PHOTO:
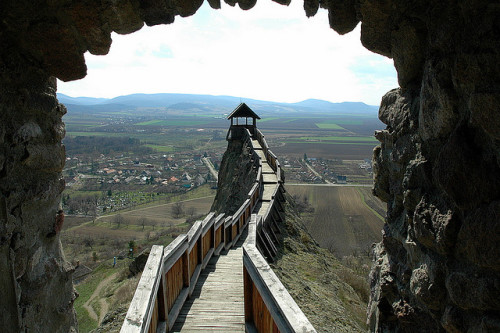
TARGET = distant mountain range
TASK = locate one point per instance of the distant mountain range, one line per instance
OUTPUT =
(209, 104)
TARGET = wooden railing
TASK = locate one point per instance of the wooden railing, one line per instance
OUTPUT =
(268, 305)
(171, 272)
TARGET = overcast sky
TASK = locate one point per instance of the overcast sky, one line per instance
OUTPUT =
(271, 52)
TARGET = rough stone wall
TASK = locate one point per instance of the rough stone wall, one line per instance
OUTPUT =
(36, 288)
(438, 167)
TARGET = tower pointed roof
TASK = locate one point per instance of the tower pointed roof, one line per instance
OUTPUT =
(243, 111)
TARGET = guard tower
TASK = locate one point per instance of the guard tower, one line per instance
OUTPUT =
(240, 120)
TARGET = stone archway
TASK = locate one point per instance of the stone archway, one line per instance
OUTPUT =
(438, 167)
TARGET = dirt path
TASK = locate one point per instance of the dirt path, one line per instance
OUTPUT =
(95, 294)
(104, 309)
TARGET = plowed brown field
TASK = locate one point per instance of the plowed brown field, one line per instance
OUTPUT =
(342, 220)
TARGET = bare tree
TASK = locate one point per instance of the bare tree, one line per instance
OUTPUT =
(118, 220)
(152, 223)
(177, 210)
(88, 241)
(191, 210)
(126, 221)
(143, 221)
(93, 211)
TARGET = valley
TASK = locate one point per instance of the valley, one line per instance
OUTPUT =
(135, 176)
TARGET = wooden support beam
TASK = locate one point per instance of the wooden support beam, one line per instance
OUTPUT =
(285, 313)
(162, 300)
(247, 295)
(185, 269)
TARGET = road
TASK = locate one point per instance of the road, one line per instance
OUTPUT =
(210, 167)
(316, 173)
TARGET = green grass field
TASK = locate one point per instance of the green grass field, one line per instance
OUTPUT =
(331, 126)
(160, 148)
(335, 143)
(340, 138)
(267, 119)
(80, 133)
(177, 122)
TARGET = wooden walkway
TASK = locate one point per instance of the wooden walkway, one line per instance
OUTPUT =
(217, 301)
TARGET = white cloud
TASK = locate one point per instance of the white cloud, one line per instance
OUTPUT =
(270, 52)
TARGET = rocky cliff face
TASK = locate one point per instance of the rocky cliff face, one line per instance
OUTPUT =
(303, 267)
(438, 167)
(236, 178)
(36, 292)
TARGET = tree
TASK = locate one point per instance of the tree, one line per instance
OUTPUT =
(177, 210)
(93, 213)
(89, 242)
(131, 248)
(143, 221)
(118, 220)
(302, 204)
(110, 193)
(305, 157)
(191, 210)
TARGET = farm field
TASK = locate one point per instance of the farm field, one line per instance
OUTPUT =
(109, 235)
(160, 215)
(138, 154)
(346, 220)
(325, 150)
(156, 217)
(94, 244)
(176, 122)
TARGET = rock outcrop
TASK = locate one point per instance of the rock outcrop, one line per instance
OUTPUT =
(139, 262)
(236, 177)
(438, 167)
(36, 282)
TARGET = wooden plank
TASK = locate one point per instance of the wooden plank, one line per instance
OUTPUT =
(207, 243)
(285, 312)
(217, 301)
(175, 282)
(140, 311)
(208, 222)
(247, 295)
(154, 318)
(162, 300)
(193, 259)
(218, 236)
(174, 251)
(261, 316)
(194, 233)
(234, 231)
(185, 269)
